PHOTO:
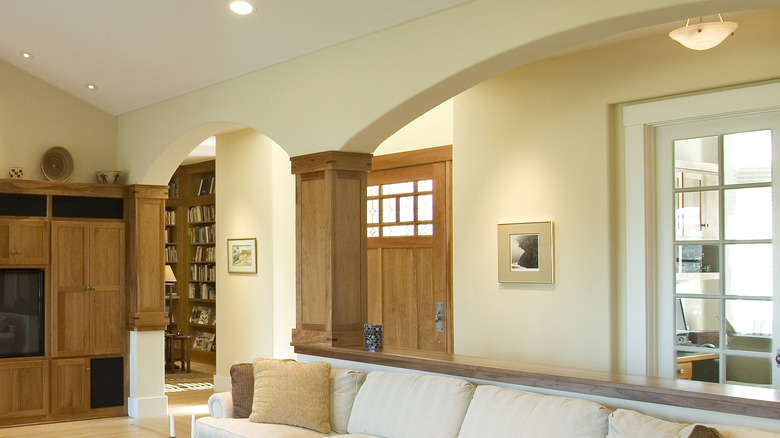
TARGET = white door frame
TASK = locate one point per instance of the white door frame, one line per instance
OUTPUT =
(638, 243)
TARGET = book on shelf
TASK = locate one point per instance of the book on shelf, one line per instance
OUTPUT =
(206, 186)
(201, 213)
(204, 341)
(173, 188)
(203, 291)
(200, 315)
(170, 218)
(170, 254)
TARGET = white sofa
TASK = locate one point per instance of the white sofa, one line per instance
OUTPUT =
(410, 405)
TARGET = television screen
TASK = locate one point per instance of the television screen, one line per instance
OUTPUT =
(21, 312)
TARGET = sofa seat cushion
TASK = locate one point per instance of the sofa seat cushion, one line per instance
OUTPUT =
(210, 427)
(403, 405)
(498, 412)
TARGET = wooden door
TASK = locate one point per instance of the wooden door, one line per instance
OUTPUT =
(409, 255)
(70, 385)
(32, 242)
(70, 294)
(106, 283)
(25, 389)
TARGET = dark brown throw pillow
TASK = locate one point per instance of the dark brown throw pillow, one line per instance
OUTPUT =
(242, 379)
(700, 431)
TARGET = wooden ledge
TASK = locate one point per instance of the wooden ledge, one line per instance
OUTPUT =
(732, 399)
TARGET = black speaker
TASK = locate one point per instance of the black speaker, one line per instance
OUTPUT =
(107, 382)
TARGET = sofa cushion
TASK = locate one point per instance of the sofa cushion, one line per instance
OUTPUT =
(507, 413)
(624, 423)
(210, 427)
(292, 393)
(344, 386)
(242, 384)
(402, 405)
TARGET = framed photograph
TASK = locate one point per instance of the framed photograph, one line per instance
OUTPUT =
(525, 253)
(242, 255)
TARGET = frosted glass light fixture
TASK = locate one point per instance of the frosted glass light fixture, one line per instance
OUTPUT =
(242, 7)
(703, 36)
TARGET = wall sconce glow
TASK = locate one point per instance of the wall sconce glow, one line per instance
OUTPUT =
(26, 55)
(703, 36)
(91, 87)
(242, 7)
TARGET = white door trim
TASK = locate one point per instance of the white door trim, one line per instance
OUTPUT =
(638, 243)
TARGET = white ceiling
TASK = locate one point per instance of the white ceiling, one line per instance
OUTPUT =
(139, 52)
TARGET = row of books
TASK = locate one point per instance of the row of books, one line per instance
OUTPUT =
(203, 291)
(201, 213)
(205, 341)
(171, 255)
(204, 254)
(170, 217)
(203, 273)
(206, 185)
(170, 235)
(173, 188)
(204, 234)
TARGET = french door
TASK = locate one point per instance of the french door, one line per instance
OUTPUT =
(716, 254)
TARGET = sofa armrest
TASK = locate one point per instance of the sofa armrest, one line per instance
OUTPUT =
(221, 405)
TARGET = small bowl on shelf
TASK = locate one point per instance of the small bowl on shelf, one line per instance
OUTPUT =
(108, 176)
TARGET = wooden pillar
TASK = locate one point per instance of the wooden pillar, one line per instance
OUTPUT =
(145, 260)
(331, 284)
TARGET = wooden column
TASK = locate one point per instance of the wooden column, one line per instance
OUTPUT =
(145, 260)
(331, 285)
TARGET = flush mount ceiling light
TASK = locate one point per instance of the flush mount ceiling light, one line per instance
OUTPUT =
(242, 7)
(703, 36)
(91, 87)
(26, 55)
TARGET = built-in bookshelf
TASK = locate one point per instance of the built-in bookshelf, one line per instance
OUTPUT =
(190, 241)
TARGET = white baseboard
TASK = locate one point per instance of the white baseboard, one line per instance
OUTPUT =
(147, 407)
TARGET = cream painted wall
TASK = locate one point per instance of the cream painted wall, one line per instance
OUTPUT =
(433, 128)
(255, 199)
(541, 143)
(34, 116)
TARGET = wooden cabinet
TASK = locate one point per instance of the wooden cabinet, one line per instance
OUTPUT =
(70, 386)
(24, 242)
(25, 386)
(87, 288)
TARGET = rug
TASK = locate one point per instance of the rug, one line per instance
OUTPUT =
(192, 381)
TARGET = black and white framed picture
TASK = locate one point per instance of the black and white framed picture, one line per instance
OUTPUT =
(525, 253)
(242, 255)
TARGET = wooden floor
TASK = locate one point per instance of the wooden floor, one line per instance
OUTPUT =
(181, 404)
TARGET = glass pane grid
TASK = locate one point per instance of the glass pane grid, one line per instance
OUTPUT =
(400, 209)
(723, 256)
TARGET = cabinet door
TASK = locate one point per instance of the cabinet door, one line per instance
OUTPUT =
(32, 242)
(106, 274)
(70, 282)
(5, 241)
(70, 386)
(25, 386)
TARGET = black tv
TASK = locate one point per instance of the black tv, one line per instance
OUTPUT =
(21, 312)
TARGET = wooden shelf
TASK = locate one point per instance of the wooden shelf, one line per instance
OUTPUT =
(192, 204)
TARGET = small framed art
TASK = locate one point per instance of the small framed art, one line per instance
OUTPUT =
(525, 253)
(242, 255)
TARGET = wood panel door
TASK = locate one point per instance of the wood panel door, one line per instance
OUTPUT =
(70, 293)
(87, 285)
(24, 242)
(409, 255)
(70, 385)
(106, 275)
(24, 389)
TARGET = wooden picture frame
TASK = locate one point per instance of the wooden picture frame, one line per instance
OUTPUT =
(242, 256)
(525, 253)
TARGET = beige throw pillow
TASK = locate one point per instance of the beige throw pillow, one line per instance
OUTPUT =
(292, 393)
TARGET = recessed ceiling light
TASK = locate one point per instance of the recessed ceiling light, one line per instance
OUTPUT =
(242, 7)
(26, 55)
(91, 87)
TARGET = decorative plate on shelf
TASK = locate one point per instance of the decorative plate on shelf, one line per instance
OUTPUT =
(57, 164)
